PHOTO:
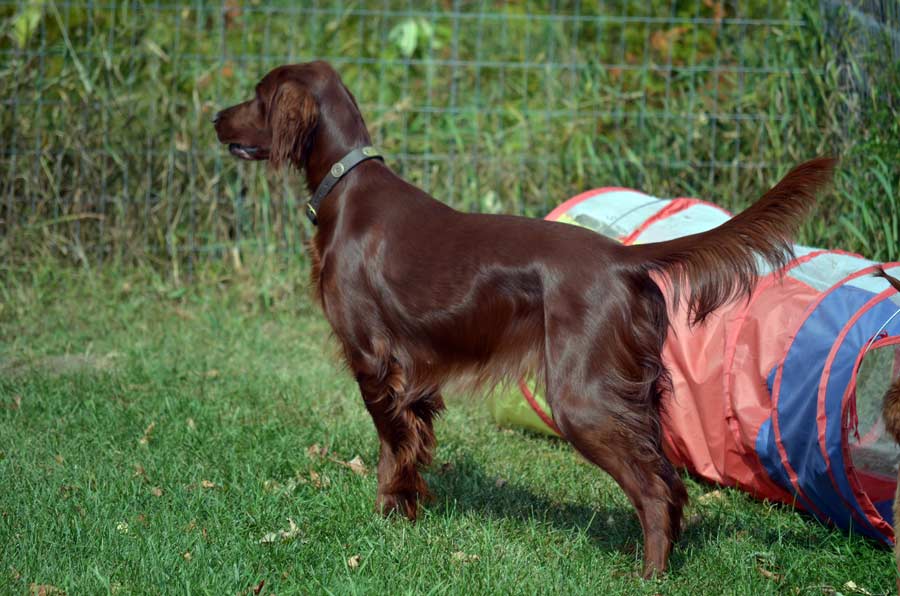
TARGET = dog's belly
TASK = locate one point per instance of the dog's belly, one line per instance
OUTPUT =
(495, 332)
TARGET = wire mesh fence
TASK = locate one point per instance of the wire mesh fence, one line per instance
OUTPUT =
(490, 106)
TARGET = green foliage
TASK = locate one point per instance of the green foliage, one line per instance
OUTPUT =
(504, 109)
(26, 21)
(412, 34)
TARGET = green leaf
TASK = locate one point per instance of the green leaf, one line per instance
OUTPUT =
(405, 36)
(27, 21)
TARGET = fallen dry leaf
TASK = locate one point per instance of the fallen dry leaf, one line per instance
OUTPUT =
(775, 577)
(500, 483)
(44, 590)
(156, 491)
(281, 535)
(353, 562)
(315, 450)
(139, 471)
(187, 555)
(259, 586)
(191, 424)
(16, 403)
(464, 558)
(122, 527)
(212, 373)
(146, 438)
(715, 495)
(208, 484)
(853, 587)
(319, 481)
(59, 458)
(356, 464)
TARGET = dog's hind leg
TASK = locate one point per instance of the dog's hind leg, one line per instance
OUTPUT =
(405, 430)
(624, 441)
(637, 464)
(603, 386)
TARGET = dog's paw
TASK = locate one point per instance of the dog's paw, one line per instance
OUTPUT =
(405, 504)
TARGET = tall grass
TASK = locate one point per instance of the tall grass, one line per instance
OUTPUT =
(108, 152)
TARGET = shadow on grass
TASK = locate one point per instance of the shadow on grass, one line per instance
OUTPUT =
(612, 528)
(466, 487)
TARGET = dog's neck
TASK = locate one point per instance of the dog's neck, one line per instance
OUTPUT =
(340, 130)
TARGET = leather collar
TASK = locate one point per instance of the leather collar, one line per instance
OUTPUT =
(334, 175)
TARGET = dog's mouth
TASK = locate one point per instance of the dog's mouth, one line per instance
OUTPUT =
(248, 152)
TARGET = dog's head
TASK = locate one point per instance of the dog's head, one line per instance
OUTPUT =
(280, 122)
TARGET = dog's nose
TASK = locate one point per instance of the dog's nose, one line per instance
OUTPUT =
(216, 117)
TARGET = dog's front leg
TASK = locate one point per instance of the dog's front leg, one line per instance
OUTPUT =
(405, 430)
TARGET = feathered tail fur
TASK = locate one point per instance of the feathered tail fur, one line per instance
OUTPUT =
(715, 267)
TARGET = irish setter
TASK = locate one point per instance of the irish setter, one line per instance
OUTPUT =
(419, 294)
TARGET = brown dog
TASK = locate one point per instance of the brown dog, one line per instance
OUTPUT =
(419, 294)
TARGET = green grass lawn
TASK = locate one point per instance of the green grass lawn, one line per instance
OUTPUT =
(152, 436)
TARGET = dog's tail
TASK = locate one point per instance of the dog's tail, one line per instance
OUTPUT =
(715, 267)
(891, 404)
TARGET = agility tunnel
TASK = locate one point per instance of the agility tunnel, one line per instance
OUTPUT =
(778, 394)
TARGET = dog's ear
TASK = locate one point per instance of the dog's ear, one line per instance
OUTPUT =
(293, 114)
